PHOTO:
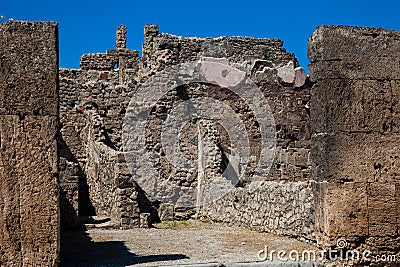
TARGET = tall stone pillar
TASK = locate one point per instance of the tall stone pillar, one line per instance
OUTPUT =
(121, 37)
(355, 112)
(29, 212)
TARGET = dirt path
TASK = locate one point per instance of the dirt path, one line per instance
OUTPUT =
(173, 243)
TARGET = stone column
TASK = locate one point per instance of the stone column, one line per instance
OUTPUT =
(121, 37)
(355, 113)
(29, 195)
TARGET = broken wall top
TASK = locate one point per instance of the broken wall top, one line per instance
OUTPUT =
(354, 53)
(160, 50)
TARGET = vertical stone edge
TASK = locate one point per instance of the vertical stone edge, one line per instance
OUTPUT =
(29, 120)
(354, 198)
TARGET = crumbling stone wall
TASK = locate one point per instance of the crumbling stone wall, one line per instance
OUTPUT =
(350, 187)
(113, 192)
(93, 102)
(29, 210)
(284, 203)
(92, 109)
(275, 207)
(355, 115)
(162, 50)
(106, 82)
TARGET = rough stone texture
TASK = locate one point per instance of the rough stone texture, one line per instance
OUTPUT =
(98, 62)
(121, 37)
(29, 195)
(161, 50)
(106, 82)
(69, 195)
(350, 188)
(278, 208)
(355, 143)
(112, 190)
(347, 201)
(338, 50)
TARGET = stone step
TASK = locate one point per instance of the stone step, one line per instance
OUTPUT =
(98, 222)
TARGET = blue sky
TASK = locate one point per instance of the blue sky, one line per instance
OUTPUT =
(89, 26)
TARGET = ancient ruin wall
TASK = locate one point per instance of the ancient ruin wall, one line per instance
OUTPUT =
(92, 106)
(354, 119)
(355, 115)
(106, 82)
(29, 213)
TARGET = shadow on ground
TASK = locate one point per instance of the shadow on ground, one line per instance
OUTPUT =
(77, 249)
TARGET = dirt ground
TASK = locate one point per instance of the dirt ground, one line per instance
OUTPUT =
(169, 244)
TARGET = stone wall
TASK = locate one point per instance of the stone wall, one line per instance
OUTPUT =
(29, 124)
(275, 207)
(93, 102)
(113, 192)
(284, 203)
(355, 116)
(334, 174)
(106, 82)
(92, 110)
(162, 50)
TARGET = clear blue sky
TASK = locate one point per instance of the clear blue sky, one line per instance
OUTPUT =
(89, 26)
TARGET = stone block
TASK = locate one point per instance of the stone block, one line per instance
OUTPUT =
(382, 212)
(395, 88)
(341, 210)
(121, 169)
(29, 193)
(355, 142)
(29, 175)
(354, 53)
(383, 243)
(121, 37)
(39, 193)
(355, 106)
(397, 195)
(29, 68)
(300, 77)
(145, 221)
(150, 30)
(166, 212)
(357, 157)
(11, 165)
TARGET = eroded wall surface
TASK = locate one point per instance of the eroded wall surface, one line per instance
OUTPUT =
(350, 187)
(355, 117)
(29, 209)
(107, 81)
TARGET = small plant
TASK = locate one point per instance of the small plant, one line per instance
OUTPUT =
(185, 223)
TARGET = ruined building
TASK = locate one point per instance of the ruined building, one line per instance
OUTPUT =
(334, 169)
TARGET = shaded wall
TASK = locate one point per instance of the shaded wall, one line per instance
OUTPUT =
(29, 213)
